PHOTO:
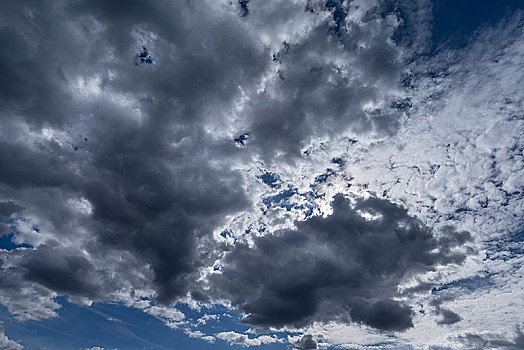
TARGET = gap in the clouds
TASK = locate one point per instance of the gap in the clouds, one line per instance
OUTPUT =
(281, 199)
(6, 238)
(113, 325)
(471, 284)
(244, 9)
(7, 243)
(454, 22)
(271, 179)
(144, 57)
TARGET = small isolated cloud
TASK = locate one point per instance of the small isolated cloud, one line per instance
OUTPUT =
(200, 335)
(9, 207)
(244, 340)
(305, 343)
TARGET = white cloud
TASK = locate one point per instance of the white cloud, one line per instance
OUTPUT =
(244, 340)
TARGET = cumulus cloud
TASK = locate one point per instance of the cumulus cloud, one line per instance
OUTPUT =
(343, 267)
(305, 343)
(126, 175)
(8, 207)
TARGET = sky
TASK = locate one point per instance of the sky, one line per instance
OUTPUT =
(274, 174)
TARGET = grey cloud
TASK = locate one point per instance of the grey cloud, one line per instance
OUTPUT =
(305, 343)
(448, 317)
(25, 167)
(23, 299)
(9, 207)
(144, 166)
(153, 150)
(62, 272)
(339, 268)
(384, 314)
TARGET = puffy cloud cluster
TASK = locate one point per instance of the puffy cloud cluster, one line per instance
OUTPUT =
(344, 267)
(117, 173)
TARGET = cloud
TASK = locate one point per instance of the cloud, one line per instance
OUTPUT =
(110, 160)
(244, 340)
(343, 267)
(62, 272)
(9, 207)
(200, 335)
(305, 343)
(82, 131)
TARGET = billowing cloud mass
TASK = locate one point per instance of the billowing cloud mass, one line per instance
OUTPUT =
(340, 268)
(6, 343)
(340, 173)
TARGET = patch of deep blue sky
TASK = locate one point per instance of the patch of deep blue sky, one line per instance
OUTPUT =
(454, 21)
(116, 326)
(6, 237)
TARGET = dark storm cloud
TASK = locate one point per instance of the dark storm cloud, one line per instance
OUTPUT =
(305, 343)
(448, 317)
(384, 314)
(342, 267)
(62, 272)
(25, 167)
(144, 168)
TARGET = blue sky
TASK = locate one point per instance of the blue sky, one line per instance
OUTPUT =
(115, 326)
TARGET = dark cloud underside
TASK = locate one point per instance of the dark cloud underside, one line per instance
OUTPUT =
(339, 268)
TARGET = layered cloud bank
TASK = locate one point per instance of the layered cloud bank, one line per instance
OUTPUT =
(329, 169)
